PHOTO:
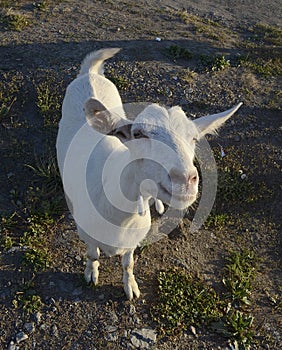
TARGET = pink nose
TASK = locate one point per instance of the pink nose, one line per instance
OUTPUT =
(178, 176)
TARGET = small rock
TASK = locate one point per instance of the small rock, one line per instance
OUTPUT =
(111, 329)
(193, 330)
(21, 336)
(14, 249)
(29, 327)
(143, 338)
(54, 331)
(52, 301)
(113, 316)
(131, 310)
(111, 337)
(43, 327)
(12, 346)
(237, 138)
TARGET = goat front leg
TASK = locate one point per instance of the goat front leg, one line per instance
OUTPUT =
(91, 272)
(130, 285)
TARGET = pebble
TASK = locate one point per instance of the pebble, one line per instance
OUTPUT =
(131, 310)
(12, 346)
(21, 336)
(193, 330)
(113, 316)
(112, 337)
(54, 331)
(37, 317)
(43, 327)
(143, 338)
(29, 327)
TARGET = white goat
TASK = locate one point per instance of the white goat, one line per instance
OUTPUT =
(111, 167)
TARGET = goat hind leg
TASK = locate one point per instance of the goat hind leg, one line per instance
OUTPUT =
(130, 285)
(91, 272)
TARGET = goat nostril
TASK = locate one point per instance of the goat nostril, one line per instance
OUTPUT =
(193, 179)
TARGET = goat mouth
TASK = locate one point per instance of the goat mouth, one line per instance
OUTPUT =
(171, 197)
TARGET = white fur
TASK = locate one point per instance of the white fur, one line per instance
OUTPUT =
(106, 225)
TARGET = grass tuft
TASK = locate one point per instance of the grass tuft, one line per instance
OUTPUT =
(184, 302)
(27, 299)
(239, 273)
(215, 63)
(37, 255)
(15, 21)
(176, 52)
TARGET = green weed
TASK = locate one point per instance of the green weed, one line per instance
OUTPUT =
(6, 3)
(46, 168)
(176, 52)
(218, 221)
(239, 274)
(10, 85)
(220, 63)
(7, 241)
(37, 255)
(48, 103)
(27, 299)
(209, 28)
(49, 87)
(15, 21)
(232, 187)
(46, 195)
(266, 67)
(236, 326)
(8, 225)
(121, 82)
(268, 34)
(5, 108)
(184, 302)
(41, 5)
(214, 63)
(187, 75)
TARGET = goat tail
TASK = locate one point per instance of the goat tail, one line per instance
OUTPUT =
(93, 62)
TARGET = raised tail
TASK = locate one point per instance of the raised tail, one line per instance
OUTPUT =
(93, 62)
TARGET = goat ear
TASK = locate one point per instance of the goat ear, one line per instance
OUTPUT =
(210, 123)
(98, 117)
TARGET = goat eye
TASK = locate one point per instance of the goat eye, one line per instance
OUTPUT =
(139, 135)
(120, 134)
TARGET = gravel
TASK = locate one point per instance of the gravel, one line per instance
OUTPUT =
(75, 316)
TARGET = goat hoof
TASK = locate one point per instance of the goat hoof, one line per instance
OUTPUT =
(90, 279)
(131, 290)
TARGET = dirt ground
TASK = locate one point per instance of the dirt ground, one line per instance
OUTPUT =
(168, 56)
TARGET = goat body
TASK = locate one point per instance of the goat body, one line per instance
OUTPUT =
(111, 167)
